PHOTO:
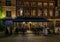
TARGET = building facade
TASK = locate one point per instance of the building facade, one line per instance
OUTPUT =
(8, 8)
(48, 9)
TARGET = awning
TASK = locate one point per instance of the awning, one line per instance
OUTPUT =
(18, 19)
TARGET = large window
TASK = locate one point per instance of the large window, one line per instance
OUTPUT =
(39, 12)
(45, 12)
(8, 13)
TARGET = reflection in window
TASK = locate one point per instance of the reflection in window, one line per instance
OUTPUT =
(33, 12)
(50, 4)
(56, 13)
(26, 3)
(33, 3)
(39, 12)
(45, 4)
(51, 12)
(45, 12)
(39, 3)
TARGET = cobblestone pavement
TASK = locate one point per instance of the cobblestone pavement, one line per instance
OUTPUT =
(30, 38)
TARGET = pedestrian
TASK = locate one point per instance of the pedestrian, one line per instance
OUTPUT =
(45, 30)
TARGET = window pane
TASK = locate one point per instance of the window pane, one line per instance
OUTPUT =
(20, 12)
(51, 12)
(26, 3)
(56, 13)
(45, 12)
(27, 12)
(50, 4)
(8, 13)
(58, 2)
(33, 12)
(39, 3)
(39, 12)
(33, 3)
(8, 3)
(20, 3)
(45, 4)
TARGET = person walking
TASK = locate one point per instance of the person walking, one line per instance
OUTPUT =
(45, 30)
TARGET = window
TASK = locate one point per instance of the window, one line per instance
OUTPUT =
(20, 12)
(56, 13)
(45, 4)
(33, 12)
(58, 2)
(50, 4)
(8, 2)
(45, 12)
(59, 13)
(8, 13)
(57, 23)
(26, 3)
(39, 12)
(39, 3)
(33, 4)
(27, 12)
(20, 3)
(51, 12)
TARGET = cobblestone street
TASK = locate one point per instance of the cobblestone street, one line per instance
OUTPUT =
(30, 38)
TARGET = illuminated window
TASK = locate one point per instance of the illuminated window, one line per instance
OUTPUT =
(58, 2)
(26, 3)
(50, 4)
(39, 12)
(33, 12)
(45, 12)
(26, 11)
(33, 3)
(39, 3)
(20, 12)
(45, 4)
(51, 12)
(56, 13)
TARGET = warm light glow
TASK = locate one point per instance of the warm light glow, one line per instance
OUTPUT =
(30, 22)
(23, 22)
